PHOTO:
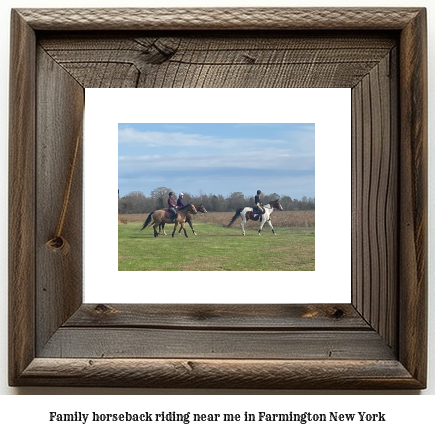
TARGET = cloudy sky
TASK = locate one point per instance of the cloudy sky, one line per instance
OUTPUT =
(217, 158)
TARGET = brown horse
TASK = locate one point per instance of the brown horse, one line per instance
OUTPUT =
(164, 216)
(248, 213)
(199, 208)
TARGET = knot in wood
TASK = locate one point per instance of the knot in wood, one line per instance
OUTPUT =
(338, 313)
(103, 309)
(58, 244)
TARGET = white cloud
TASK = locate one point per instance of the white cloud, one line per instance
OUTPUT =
(130, 136)
(278, 159)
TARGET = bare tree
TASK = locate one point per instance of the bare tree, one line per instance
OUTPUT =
(160, 195)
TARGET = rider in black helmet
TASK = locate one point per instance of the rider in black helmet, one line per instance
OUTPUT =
(258, 203)
(172, 207)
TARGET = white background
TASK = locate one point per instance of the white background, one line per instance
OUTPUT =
(407, 411)
(329, 109)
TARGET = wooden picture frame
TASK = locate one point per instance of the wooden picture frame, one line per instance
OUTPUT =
(378, 341)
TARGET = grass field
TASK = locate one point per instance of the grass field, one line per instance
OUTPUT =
(216, 248)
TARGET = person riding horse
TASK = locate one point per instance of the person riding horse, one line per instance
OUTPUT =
(172, 207)
(180, 200)
(247, 213)
(258, 203)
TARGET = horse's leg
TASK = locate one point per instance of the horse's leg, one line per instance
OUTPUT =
(191, 227)
(156, 234)
(242, 223)
(270, 224)
(181, 228)
(184, 229)
(261, 226)
(163, 229)
(175, 228)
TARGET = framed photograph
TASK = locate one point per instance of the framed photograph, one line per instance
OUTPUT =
(375, 341)
(219, 152)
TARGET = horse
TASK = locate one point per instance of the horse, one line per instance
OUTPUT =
(165, 216)
(248, 213)
(199, 208)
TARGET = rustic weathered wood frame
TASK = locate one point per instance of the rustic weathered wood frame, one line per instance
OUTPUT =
(377, 341)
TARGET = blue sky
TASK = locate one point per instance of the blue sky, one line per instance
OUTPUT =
(217, 158)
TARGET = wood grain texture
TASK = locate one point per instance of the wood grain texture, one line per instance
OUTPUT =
(270, 317)
(375, 199)
(413, 187)
(228, 374)
(220, 18)
(21, 197)
(95, 342)
(59, 279)
(240, 60)
(377, 342)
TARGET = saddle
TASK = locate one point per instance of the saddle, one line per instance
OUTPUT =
(169, 215)
(255, 216)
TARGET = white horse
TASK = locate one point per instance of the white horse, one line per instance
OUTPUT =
(248, 213)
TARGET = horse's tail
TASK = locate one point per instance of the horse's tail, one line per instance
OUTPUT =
(237, 214)
(147, 221)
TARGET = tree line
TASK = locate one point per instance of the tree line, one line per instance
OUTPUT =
(136, 202)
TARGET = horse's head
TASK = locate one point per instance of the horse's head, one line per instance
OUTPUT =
(275, 204)
(191, 208)
(201, 208)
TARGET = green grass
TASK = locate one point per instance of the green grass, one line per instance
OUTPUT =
(215, 248)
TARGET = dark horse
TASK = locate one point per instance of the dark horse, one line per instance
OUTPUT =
(247, 213)
(199, 208)
(164, 216)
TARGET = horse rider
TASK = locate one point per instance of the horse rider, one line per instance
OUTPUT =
(258, 203)
(180, 203)
(172, 207)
